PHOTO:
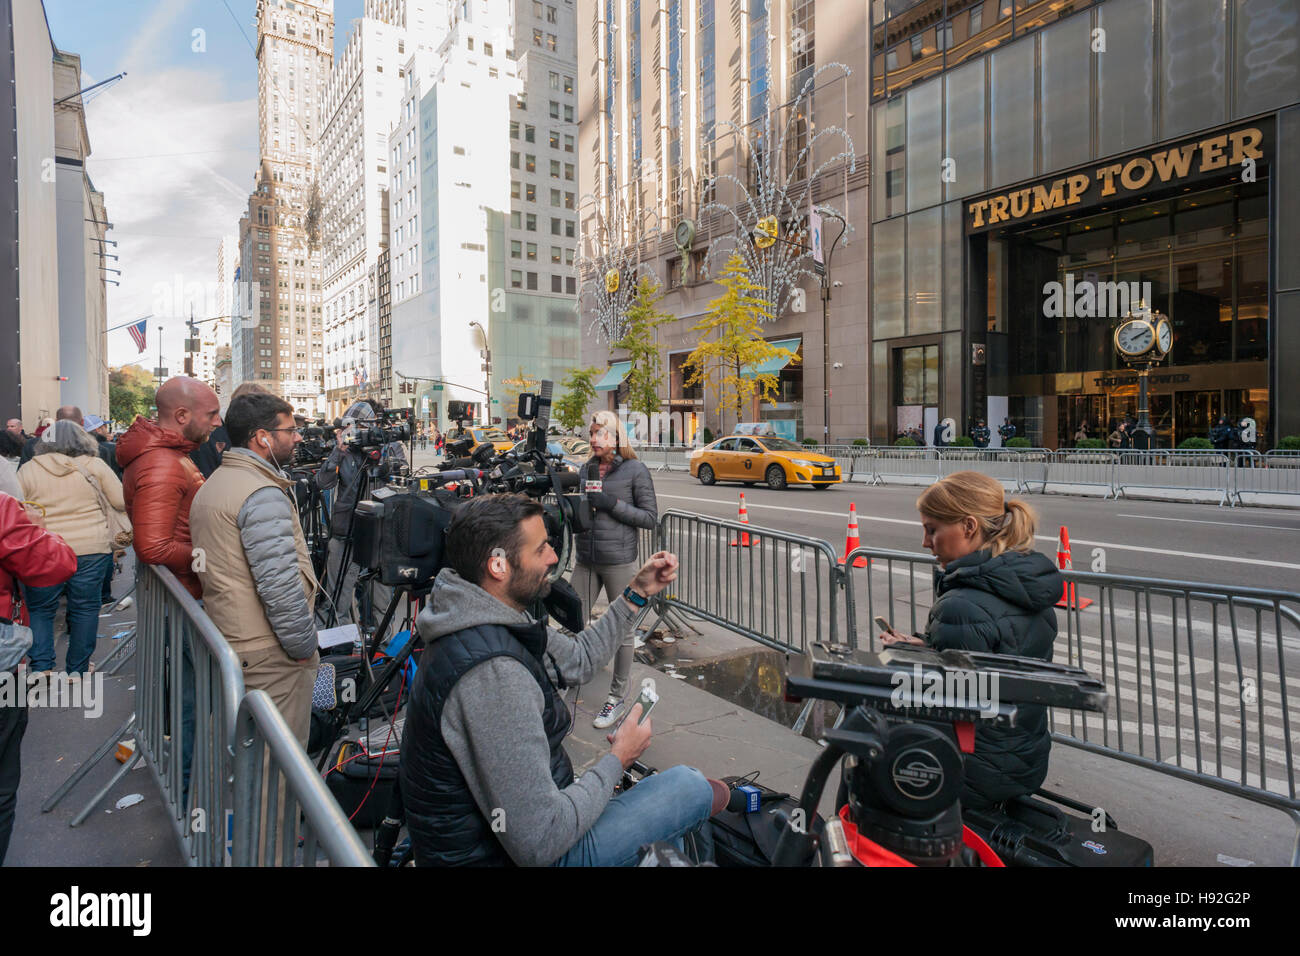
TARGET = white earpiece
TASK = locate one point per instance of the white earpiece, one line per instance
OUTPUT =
(264, 442)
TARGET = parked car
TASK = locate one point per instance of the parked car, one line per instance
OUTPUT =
(500, 440)
(753, 458)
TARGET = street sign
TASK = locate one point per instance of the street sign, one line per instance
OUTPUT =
(160, 373)
(436, 388)
(815, 227)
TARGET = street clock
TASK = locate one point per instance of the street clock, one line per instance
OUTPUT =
(684, 234)
(1144, 338)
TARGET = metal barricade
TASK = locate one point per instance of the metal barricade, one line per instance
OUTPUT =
(1075, 467)
(914, 464)
(1272, 473)
(1201, 678)
(171, 630)
(997, 463)
(272, 769)
(779, 589)
(1174, 470)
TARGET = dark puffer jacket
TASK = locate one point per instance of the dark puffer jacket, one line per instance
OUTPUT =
(613, 540)
(1002, 605)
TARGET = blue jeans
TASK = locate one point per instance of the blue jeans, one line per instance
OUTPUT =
(665, 806)
(83, 592)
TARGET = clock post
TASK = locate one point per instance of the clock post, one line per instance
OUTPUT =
(1142, 342)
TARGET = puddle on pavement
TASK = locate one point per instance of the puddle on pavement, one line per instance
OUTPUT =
(754, 680)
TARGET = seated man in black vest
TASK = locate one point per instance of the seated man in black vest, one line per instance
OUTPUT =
(484, 777)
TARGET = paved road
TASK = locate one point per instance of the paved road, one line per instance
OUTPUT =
(1246, 547)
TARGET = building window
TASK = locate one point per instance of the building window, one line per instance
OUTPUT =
(516, 279)
(514, 194)
(530, 192)
(555, 110)
(557, 283)
(568, 84)
(568, 143)
(551, 42)
(532, 252)
(568, 200)
(530, 133)
(532, 281)
(537, 37)
(530, 222)
(568, 114)
(530, 163)
(555, 168)
(555, 137)
(515, 249)
(570, 285)
(487, 48)
(514, 161)
(555, 197)
(568, 171)
(514, 129)
(555, 254)
(555, 81)
(551, 16)
(568, 257)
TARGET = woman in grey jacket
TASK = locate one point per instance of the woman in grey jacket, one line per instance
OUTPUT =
(624, 499)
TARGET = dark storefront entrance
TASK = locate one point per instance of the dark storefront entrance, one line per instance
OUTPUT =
(1199, 256)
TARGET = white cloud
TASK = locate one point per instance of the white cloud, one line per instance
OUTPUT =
(175, 163)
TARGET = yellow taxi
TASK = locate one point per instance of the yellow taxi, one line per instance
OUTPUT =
(501, 442)
(750, 458)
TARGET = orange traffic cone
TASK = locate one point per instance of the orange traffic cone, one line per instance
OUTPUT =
(744, 519)
(1069, 597)
(851, 540)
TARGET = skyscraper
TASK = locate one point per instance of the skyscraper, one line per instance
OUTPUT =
(279, 336)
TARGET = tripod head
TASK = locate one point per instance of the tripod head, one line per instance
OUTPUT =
(912, 712)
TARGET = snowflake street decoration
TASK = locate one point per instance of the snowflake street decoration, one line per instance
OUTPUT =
(614, 267)
(778, 268)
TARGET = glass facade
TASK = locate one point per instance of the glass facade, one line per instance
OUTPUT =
(978, 98)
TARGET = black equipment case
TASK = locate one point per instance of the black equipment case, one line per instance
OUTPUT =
(749, 839)
(1028, 831)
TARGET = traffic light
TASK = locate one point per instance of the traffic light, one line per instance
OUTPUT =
(189, 366)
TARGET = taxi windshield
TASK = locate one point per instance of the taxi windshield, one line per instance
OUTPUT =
(781, 444)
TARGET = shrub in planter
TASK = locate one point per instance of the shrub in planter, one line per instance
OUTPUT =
(1289, 443)
(1090, 443)
(964, 441)
(809, 441)
(708, 435)
(1018, 442)
(904, 443)
(1195, 442)
(861, 443)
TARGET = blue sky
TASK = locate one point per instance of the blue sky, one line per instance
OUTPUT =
(173, 144)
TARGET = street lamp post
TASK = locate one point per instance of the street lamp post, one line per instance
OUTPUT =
(826, 334)
(487, 372)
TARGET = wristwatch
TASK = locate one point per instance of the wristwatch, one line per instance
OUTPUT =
(640, 600)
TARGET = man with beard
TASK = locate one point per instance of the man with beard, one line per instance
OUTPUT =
(484, 776)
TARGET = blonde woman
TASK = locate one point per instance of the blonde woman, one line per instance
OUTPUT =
(623, 494)
(994, 593)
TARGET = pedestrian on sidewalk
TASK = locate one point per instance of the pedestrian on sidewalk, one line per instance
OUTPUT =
(72, 484)
(258, 585)
(996, 594)
(622, 492)
(34, 557)
(66, 413)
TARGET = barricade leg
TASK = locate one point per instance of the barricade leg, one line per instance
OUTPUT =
(89, 808)
(104, 749)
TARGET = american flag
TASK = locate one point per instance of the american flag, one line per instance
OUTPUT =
(137, 334)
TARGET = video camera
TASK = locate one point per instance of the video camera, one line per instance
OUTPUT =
(396, 425)
(317, 440)
(911, 713)
(400, 528)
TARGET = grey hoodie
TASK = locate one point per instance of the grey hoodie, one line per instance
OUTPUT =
(492, 723)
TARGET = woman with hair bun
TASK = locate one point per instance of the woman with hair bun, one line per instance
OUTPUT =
(993, 593)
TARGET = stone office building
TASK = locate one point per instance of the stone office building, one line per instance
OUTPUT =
(1035, 163)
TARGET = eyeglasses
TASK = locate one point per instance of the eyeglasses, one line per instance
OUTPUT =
(291, 428)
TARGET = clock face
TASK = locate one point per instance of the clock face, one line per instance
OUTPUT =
(1135, 337)
(685, 233)
(1165, 335)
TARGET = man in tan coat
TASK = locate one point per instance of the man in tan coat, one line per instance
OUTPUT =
(258, 585)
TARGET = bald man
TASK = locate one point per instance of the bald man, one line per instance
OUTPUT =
(66, 413)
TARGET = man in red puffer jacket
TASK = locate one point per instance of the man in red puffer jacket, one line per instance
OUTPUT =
(160, 480)
(30, 554)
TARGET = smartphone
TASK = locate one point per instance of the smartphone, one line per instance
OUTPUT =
(647, 699)
(883, 624)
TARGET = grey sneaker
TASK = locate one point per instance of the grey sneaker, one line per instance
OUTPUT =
(608, 714)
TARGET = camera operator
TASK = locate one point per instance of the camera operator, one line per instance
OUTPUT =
(345, 469)
(994, 593)
(483, 742)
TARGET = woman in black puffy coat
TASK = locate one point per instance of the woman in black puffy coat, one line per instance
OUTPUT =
(993, 593)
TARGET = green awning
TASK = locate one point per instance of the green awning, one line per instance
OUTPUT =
(773, 365)
(614, 377)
